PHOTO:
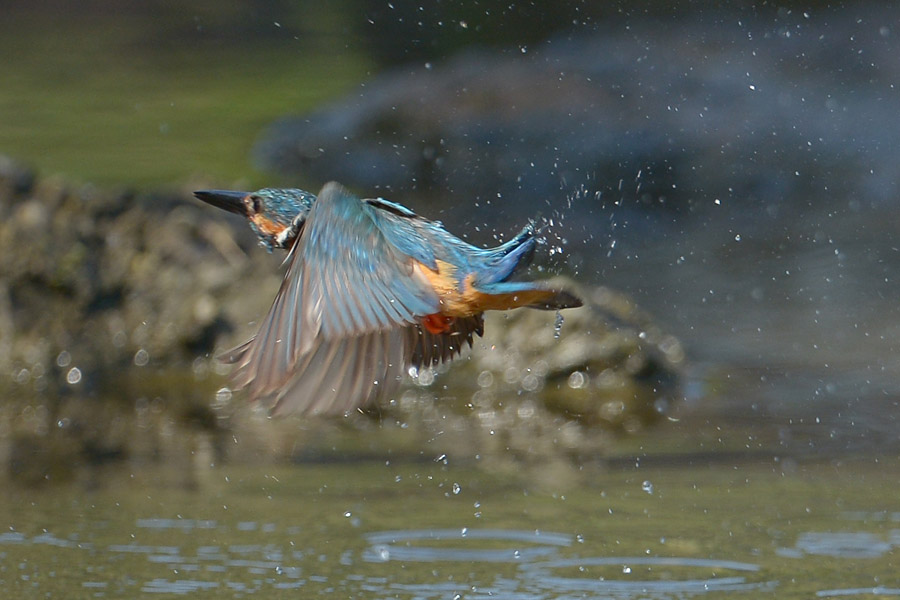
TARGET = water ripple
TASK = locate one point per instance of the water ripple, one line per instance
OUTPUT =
(389, 545)
(540, 574)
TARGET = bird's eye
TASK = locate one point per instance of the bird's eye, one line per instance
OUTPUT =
(253, 203)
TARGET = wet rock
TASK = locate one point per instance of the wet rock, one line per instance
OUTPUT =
(538, 388)
(603, 364)
(96, 284)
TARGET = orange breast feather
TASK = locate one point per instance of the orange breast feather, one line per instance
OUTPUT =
(267, 226)
(464, 300)
(445, 284)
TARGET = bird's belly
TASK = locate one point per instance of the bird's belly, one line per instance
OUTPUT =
(457, 300)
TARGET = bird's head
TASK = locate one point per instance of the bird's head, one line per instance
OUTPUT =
(270, 211)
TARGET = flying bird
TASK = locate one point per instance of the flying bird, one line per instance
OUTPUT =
(371, 290)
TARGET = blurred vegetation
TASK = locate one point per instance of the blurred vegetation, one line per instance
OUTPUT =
(149, 93)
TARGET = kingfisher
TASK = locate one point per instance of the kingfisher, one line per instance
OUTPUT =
(372, 291)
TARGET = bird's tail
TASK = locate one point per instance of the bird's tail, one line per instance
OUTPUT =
(511, 257)
(504, 295)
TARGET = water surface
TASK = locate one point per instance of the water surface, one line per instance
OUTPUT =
(425, 529)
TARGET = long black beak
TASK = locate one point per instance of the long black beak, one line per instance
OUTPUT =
(224, 199)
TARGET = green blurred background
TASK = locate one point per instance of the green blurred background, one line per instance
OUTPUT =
(148, 93)
(141, 94)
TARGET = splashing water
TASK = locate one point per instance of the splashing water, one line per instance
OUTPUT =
(557, 325)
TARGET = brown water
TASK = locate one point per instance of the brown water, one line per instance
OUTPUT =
(434, 530)
(283, 509)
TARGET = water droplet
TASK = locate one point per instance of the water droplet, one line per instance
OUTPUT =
(426, 377)
(223, 396)
(557, 325)
(141, 358)
(531, 382)
(577, 380)
(73, 376)
(64, 359)
(485, 379)
(200, 367)
(119, 339)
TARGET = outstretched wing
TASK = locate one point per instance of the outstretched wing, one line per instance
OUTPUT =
(346, 373)
(342, 374)
(336, 326)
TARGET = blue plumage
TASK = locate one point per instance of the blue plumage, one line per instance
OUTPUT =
(370, 290)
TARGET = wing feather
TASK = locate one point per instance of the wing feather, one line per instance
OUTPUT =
(341, 317)
(340, 375)
(346, 243)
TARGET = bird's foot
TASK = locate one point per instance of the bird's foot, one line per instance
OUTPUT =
(437, 323)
